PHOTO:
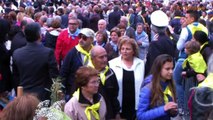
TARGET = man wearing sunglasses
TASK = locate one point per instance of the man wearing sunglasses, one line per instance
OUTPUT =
(76, 58)
(67, 39)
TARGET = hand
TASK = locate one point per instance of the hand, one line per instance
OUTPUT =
(171, 29)
(139, 42)
(200, 77)
(183, 74)
(155, 38)
(170, 106)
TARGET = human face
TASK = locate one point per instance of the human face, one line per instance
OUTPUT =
(100, 59)
(101, 26)
(204, 14)
(189, 19)
(187, 51)
(85, 41)
(139, 29)
(73, 25)
(122, 32)
(99, 39)
(114, 37)
(92, 86)
(127, 51)
(183, 21)
(167, 71)
(123, 21)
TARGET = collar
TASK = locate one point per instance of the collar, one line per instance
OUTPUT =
(135, 62)
(81, 99)
(36, 43)
(142, 33)
(75, 34)
(115, 46)
(206, 43)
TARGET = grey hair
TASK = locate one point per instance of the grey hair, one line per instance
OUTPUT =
(124, 18)
(140, 24)
(57, 17)
(43, 18)
(102, 20)
(49, 21)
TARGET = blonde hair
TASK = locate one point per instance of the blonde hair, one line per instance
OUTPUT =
(126, 40)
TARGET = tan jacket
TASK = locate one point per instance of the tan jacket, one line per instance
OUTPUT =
(75, 110)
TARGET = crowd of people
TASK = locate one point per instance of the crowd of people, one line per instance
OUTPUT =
(130, 59)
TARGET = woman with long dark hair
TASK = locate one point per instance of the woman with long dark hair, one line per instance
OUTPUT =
(158, 97)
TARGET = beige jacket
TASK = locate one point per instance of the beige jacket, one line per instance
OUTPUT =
(75, 110)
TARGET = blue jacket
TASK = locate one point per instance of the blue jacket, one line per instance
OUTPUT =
(144, 111)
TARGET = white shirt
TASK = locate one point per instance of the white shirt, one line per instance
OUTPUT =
(182, 39)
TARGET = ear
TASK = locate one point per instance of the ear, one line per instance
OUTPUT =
(39, 37)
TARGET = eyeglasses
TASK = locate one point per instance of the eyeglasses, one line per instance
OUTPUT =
(83, 37)
(73, 24)
(95, 82)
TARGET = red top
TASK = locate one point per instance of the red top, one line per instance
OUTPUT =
(64, 44)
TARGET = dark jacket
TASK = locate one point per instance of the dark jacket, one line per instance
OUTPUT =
(162, 46)
(111, 53)
(110, 93)
(206, 51)
(113, 19)
(130, 32)
(70, 65)
(175, 23)
(33, 67)
(64, 21)
(5, 73)
(19, 40)
(94, 21)
(51, 38)
(85, 21)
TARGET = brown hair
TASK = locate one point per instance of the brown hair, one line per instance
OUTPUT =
(157, 95)
(12, 15)
(126, 40)
(192, 46)
(104, 35)
(121, 26)
(29, 11)
(96, 9)
(37, 16)
(116, 30)
(56, 22)
(84, 74)
(21, 108)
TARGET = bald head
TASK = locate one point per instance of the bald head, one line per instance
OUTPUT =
(96, 50)
(99, 57)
